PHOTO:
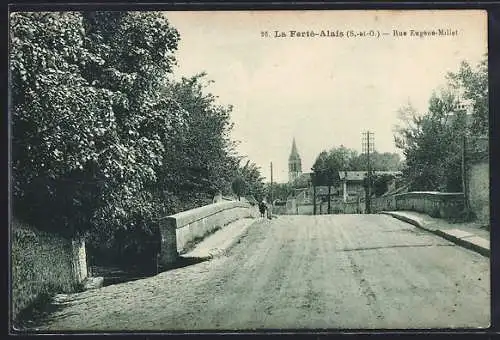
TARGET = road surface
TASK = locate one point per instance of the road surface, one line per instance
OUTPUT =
(301, 272)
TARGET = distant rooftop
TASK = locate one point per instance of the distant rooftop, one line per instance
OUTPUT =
(352, 176)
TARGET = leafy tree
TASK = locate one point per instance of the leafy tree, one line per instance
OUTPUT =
(342, 158)
(239, 186)
(281, 191)
(57, 118)
(200, 157)
(379, 162)
(103, 140)
(432, 143)
(320, 169)
(379, 183)
(472, 84)
(255, 181)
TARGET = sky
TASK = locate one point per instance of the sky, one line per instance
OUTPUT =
(322, 91)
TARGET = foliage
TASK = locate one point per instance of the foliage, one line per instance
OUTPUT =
(281, 191)
(472, 83)
(253, 177)
(249, 181)
(200, 157)
(379, 183)
(433, 143)
(103, 140)
(326, 168)
(385, 161)
(239, 186)
(329, 164)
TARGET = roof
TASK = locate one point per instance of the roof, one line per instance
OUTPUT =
(352, 176)
(360, 175)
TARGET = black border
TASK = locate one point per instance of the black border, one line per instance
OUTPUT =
(493, 9)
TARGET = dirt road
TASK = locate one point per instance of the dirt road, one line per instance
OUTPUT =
(343, 271)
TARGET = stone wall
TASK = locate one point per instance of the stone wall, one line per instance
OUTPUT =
(43, 264)
(181, 230)
(384, 203)
(353, 207)
(306, 209)
(479, 191)
(435, 204)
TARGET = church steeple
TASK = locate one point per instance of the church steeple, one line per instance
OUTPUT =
(294, 163)
(294, 154)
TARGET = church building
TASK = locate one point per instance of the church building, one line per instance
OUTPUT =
(294, 164)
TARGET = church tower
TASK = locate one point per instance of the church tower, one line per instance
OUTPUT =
(294, 164)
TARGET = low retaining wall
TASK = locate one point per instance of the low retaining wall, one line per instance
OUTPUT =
(180, 230)
(435, 204)
(384, 203)
(43, 264)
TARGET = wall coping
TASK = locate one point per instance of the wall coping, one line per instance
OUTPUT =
(430, 194)
(184, 218)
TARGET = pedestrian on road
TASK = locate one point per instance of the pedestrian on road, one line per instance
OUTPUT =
(262, 208)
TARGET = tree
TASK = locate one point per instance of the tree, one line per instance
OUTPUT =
(472, 84)
(200, 157)
(103, 140)
(320, 169)
(87, 121)
(385, 161)
(327, 166)
(252, 175)
(346, 159)
(431, 144)
(379, 184)
(281, 191)
(239, 186)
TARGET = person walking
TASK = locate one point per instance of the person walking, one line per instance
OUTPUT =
(262, 208)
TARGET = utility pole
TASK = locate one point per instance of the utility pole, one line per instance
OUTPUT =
(464, 172)
(271, 189)
(368, 146)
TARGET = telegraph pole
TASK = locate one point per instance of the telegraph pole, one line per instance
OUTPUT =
(465, 188)
(368, 146)
(271, 189)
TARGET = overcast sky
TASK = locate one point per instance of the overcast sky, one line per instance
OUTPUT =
(324, 91)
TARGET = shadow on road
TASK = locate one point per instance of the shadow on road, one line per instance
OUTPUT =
(182, 262)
